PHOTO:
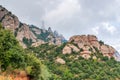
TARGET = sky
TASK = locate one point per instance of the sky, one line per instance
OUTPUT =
(72, 17)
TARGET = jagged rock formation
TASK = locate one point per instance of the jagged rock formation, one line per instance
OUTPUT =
(87, 45)
(28, 35)
(9, 21)
(47, 35)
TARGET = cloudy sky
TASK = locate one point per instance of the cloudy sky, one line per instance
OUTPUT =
(72, 17)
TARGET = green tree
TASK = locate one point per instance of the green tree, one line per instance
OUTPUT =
(12, 55)
(10, 51)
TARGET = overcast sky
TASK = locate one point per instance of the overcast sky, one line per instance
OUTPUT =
(72, 17)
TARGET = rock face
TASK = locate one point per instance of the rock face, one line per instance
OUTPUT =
(28, 35)
(60, 60)
(88, 44)
(38, 43)
(85, 54)
(69, 48)
(8, 20)
(24, 32)
(47, 35)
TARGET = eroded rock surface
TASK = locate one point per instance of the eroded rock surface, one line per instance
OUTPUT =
(88, 44)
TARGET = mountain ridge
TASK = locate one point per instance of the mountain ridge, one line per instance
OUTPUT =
(25, 33)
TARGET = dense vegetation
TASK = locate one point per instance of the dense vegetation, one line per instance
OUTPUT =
(100, 68)
(34, 59)
(27, 42)
(13, 56)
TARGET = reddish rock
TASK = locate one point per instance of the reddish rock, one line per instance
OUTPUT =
(60, 60)
(66, 50)
(85, 54)
(89, 44)
(10, 22)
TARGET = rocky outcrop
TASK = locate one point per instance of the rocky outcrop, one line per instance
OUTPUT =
(24, 31)
(48, 35)
(107, 50)
(88, 44)
(8, 20)
(68, 49)
(38, 43)
(60, 60)
(85, 54)
(93, 41)
(3, 12)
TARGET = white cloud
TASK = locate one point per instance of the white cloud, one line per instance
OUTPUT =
(104, 26)
(116, 46)
(110, 28)
(63, 11)
(96, 30)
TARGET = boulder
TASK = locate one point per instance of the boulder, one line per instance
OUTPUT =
(67, 50)
(60, 60)
(74, 48)
(85, 54)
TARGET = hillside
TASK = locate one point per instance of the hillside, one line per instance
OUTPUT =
(87, 45)
(17, 63)
(81, 58)
(28, 35)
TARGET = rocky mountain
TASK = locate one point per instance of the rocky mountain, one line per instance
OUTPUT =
(28, 35)
(87, 45)
(47, 36)
(83, 57)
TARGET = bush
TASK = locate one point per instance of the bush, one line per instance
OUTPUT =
(13, 56)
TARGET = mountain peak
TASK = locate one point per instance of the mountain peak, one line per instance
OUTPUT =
(87, 45)
(50, 30)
